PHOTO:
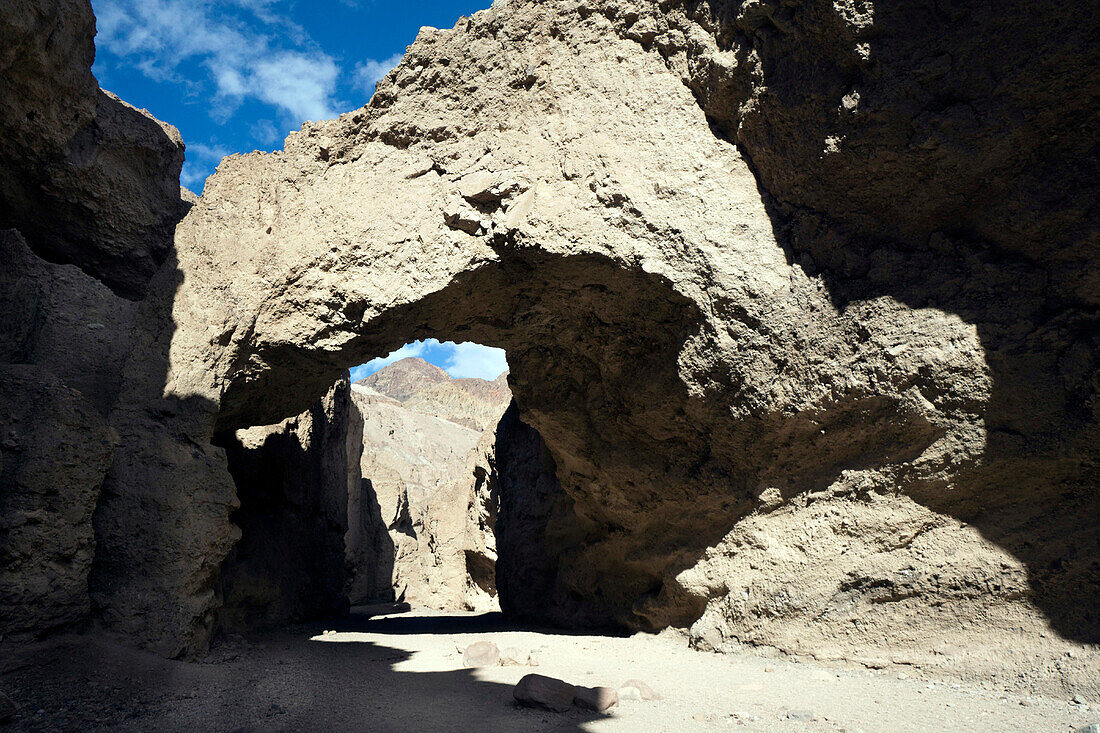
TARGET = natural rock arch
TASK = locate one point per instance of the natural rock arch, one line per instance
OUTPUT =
(745, 446)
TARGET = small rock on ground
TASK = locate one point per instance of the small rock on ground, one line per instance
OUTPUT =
(598, 699)
(481, 654)
(513, 656)
(637, 690)
(540, 691)
(803, 716)
(1090, 728)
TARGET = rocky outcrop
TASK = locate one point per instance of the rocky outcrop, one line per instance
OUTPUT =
(800, 299)
(405, 378)
(54, 452)
(534, 519)
(89, 188)
(88, 179)
(61, 333)
(424, 464)
(473, 403)
(693, 368)
(292, 481)
(64, 322)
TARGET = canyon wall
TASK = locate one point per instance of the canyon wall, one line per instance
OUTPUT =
(428, 443)
(757, 441)
(292, 481)
(89, 197)
(800, 297)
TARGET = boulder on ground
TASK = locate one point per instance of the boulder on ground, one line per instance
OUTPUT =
(548, 693)
(599, 699)
(513, 656)
(481, 654)
(637, 690)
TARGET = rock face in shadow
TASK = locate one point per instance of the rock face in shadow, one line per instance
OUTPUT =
(88, 179)
(89, 198)
(892, 122)
(928, 154)
(53, 455)
(533, 516)
(292, 482)
(61, 333)
(427, 449)
(800, 299)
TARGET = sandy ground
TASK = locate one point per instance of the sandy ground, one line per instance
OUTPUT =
(404, 673)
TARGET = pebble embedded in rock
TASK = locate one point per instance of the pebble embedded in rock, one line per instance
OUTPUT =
(481, 654)
(548, 693)
(599, 699)
(637, 690)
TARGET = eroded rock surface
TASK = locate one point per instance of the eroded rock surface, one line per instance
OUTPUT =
(54, 452)
(89, 198)
(292, 480)
(87, 178)
(766, 426)
(800, 299)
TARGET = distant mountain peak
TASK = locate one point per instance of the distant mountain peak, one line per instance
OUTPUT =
(404, 378)
(423, 387)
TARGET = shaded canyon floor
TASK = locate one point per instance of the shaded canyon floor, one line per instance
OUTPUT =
(403, 672)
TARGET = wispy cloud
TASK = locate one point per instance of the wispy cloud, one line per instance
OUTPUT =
(474, 360)
(265, 131)
(370, 72)
(200, 159)
(244, 54)
(243, 61)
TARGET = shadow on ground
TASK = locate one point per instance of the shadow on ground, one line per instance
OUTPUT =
(283, 681)
(484, 623)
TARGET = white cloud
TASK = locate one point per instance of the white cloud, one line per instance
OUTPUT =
(156, 36)
(199, 159)
(370, 72)
(266, 132)
(474, 360)
(302, 85)
(414, 349)
(466, 359)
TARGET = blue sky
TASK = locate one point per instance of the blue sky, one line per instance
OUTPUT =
(465, 359)
(238, 75)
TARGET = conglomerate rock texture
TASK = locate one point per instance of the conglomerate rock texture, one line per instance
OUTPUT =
(800, 297)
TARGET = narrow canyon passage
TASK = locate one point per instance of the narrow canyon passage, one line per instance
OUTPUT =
(787, 316)
(385, 490)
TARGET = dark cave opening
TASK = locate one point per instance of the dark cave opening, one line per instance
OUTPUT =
(386, 490)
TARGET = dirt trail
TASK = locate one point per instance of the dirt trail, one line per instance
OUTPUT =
(404, 673)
